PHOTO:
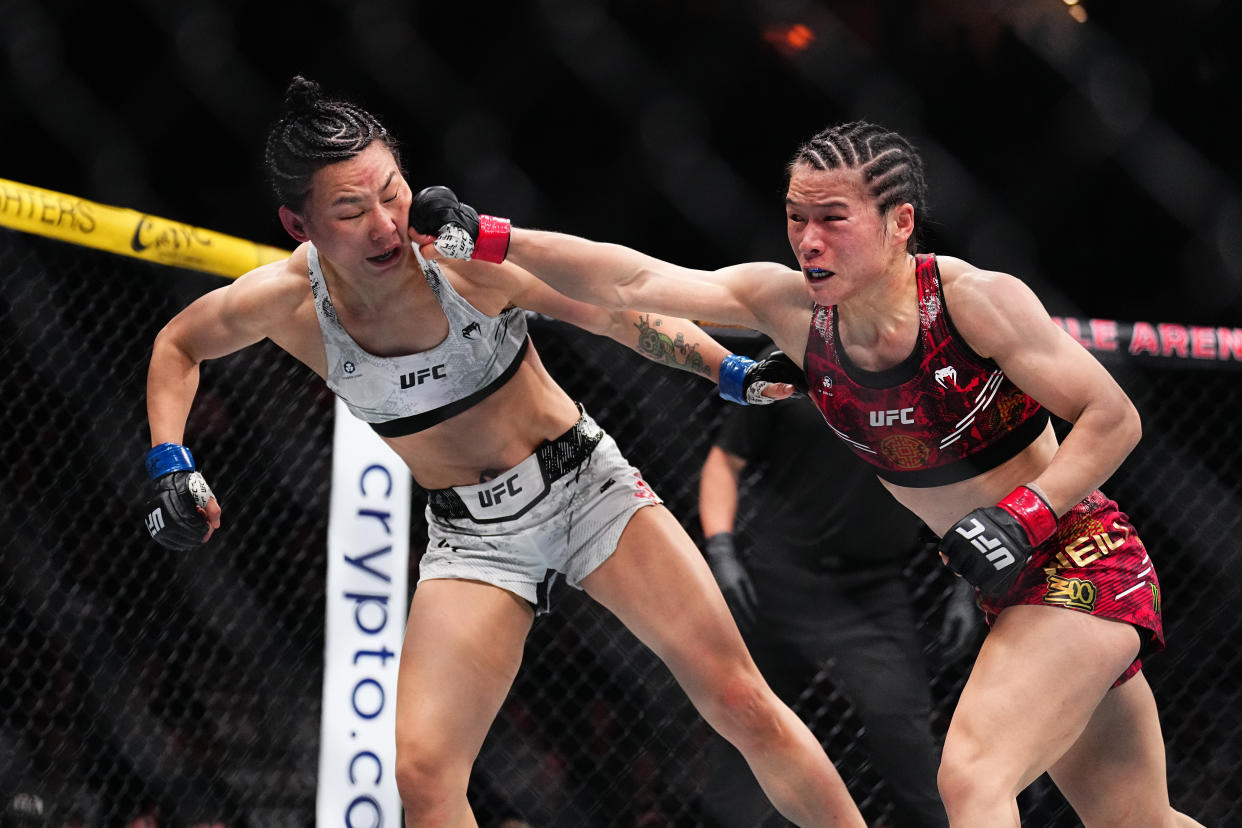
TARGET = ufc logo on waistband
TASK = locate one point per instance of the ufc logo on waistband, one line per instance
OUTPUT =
(155, 522)
(893, 415)
(992, 548)
(492, 496)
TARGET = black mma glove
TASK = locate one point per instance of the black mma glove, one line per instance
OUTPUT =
(461, 232)
(176, 516)
(734, 580)
(990, 546)
(742, 380)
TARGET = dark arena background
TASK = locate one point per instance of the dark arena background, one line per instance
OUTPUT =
(1087, 148)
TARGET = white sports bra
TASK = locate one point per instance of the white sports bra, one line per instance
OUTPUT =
(405, 394)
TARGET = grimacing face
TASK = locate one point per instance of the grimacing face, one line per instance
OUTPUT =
(357, 212)
(834, 229)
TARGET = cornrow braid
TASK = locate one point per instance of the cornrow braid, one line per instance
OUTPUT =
(891, 167)
(312, 133)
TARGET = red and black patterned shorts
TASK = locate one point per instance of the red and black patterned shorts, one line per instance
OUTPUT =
(1094, 563)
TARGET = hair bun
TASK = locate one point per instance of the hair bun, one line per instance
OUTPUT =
(302, 95)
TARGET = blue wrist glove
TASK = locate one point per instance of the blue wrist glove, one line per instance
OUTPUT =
(175, 512)
(742, 379)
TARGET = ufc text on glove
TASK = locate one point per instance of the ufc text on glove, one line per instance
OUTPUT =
(990, 546)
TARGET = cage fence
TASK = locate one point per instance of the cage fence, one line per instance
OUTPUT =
(189, 684)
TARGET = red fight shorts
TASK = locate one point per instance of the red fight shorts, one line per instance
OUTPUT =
(1093, 563)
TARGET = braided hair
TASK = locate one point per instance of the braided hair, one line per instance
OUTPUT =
(313, 132)
(891, 167)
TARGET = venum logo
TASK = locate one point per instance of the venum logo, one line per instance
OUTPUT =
(471, 329)
(893, 415)
(422, 375)
(946, 373)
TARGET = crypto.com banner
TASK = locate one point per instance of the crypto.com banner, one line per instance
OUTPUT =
(368, 550)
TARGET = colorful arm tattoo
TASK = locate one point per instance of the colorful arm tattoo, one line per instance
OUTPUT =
(676, 352)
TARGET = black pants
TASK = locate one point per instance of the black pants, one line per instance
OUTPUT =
(862, 624)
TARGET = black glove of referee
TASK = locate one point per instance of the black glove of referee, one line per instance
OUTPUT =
(730, 573)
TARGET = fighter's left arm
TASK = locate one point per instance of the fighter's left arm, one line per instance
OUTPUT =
(1001, 318)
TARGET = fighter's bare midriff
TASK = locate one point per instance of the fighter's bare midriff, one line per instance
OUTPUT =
(942, 506)
(493, 435)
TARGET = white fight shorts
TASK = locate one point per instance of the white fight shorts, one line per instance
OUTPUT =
(561, 510)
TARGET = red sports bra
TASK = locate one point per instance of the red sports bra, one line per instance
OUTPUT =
(942, 415)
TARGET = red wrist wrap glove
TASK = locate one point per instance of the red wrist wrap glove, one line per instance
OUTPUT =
(1032, 511)
(493, 240)
(461, 232)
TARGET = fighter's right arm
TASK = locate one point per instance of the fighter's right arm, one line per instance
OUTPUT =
(182, 511)
(618, 277)
(763, 296)
(216, 324)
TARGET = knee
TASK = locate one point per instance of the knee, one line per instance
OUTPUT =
(953, 780)
(967, 780)
(427, 783)
(747, 713)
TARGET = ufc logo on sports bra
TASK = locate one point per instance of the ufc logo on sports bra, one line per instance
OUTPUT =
(422, 375)
(893, 415)
(991, 548)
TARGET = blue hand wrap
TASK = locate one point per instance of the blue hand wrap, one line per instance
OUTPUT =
(732, 376)
(167, 458)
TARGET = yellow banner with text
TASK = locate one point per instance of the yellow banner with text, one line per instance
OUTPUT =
(129, 232)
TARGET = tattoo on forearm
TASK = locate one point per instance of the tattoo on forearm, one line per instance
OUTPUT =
(660, 347)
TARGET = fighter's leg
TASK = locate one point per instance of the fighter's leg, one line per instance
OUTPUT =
(731, 795)
(462, 649)
(1114, 774)
(659, 586)
(1040, 675)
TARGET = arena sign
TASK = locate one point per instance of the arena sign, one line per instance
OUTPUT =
(1161, 340)
(368, 553)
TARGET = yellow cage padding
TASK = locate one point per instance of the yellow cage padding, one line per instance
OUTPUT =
(129, 232)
